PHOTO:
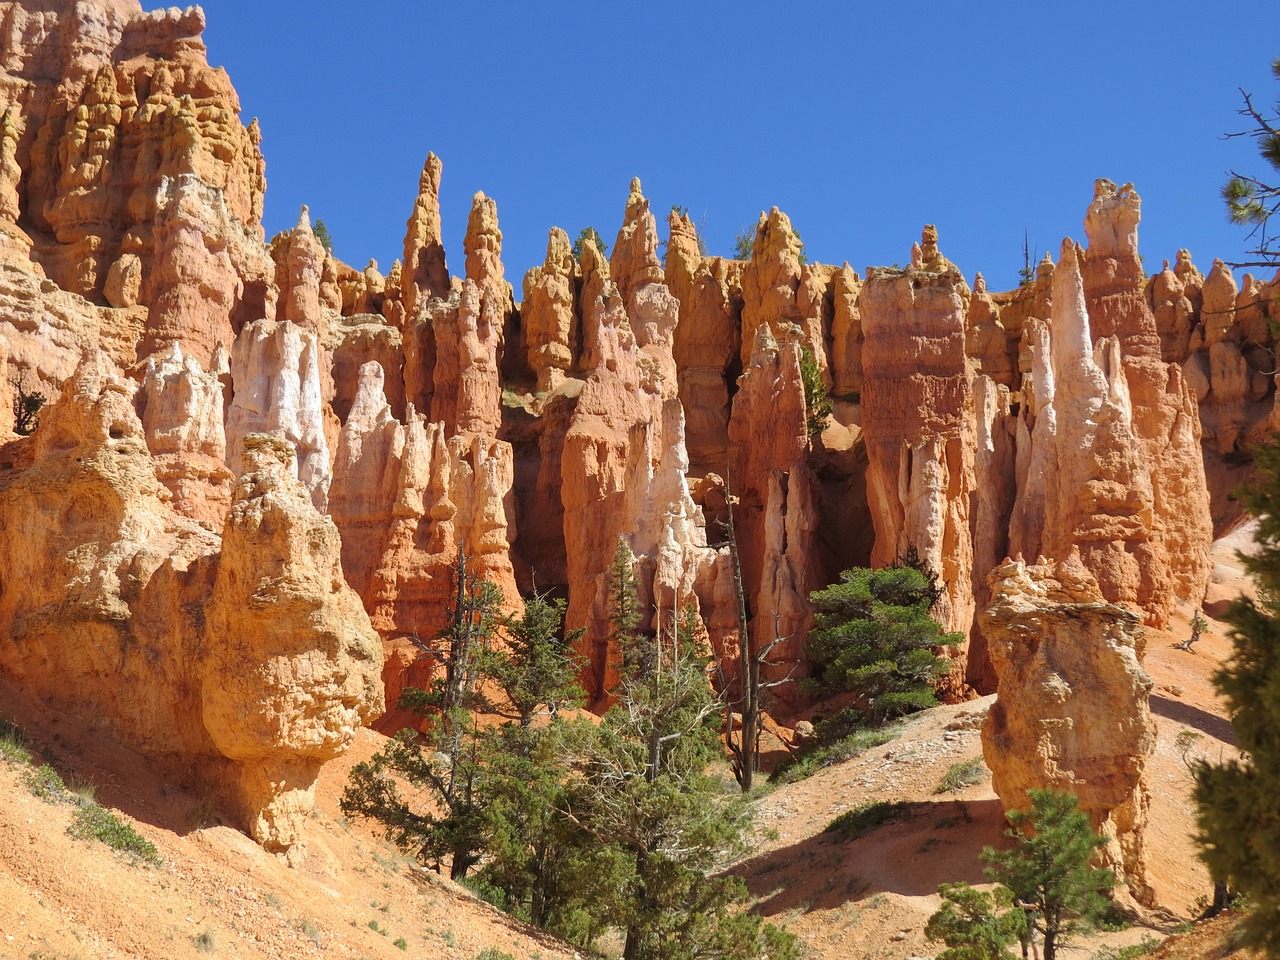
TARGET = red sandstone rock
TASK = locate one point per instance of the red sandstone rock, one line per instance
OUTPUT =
(846, 333)
(115, 100)
(202, 287)
(987, 342)
(1071, 711)
(623, 475)
(770, 279)
(304, 267)
(407, 498)
(1165, 417)
(467, 396)
(917, 417)
(181, 408)
(296, 666)
(1087, 472)
(424, 274)
(546, 314)
(246, 660)
(776, 512)
(483, 247)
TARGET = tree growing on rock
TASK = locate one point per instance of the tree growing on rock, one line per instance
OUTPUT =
(1239, 800)
(817, 403)
(26, 408)
(589, 234)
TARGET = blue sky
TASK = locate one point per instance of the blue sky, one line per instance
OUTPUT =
(863, 122)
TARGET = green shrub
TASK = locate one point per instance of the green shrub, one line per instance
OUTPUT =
(493, 953)
(873, 636)
(44, 782)
(966, 773)
(1146, 945)
(863, 819)
(92, 822)
(818, 405)
(401, 942)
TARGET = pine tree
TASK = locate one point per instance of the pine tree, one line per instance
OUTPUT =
(872, 635)
(644, 791)
(1239, 800)
(976, 925)
(448, 762)
(1048, 869)
(1251, 201)
(538, 669)
(592, 235)
(817, 403)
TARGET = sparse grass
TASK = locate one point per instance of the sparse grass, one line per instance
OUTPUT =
(205, 942)
(402, 943)
(863, 819)
(1146, 945)
(83, 789)
(202, 815)
(808, 761)
(44, 782)
(373, 925)
(391, 864)
(966, 773)
(92, 822)
(311, 932)
(13, 743)
(493, 953)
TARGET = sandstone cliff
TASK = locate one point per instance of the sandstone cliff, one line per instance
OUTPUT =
(245, 658)
(1166, 422)
(623, 400)
(109, 102)
(918, 420)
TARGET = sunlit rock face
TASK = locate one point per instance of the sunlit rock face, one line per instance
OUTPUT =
(918, 421)
(624, 463)
(111, 103)
(409, 498)
(1071, 711)
(1165, 420)
(237, 656)
(776, 509)
(275, 370)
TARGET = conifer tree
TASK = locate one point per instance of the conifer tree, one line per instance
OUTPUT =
(644, 791)
(872, 635)
(1048, 870)
(976, 925)
(1239, 800)
(1252, 201)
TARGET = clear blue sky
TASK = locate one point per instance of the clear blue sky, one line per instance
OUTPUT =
(863, 122)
